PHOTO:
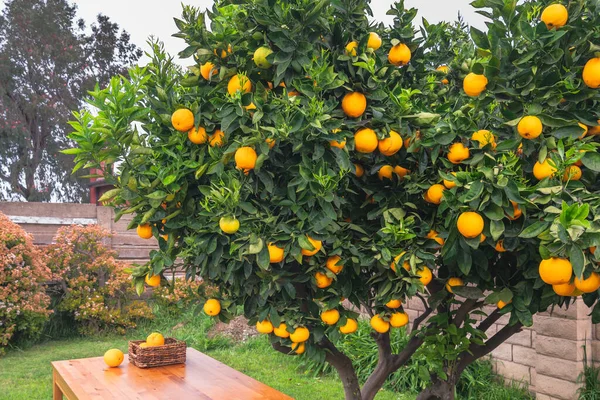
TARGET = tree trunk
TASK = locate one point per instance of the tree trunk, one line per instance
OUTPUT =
(349, 380)
(438, 390)
(377, 379)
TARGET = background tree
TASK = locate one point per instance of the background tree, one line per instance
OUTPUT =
(464, 177)
(48, 61)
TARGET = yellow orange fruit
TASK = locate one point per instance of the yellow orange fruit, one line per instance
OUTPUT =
(530, 127)
(385, 172)
(152, 281)
(330, 317)
(350, 327)
(281, 331)
(585, 130)
(260, 57)
(276, 254)
(450, 184)
(484, 137)
(589, 284)
(212, 307)
(206, 68)
(555, 270)
(425, 276)
(555, 16)
(271, 142)
(338, 144)
(197, 136)
(501, 304)
(393, 304)
(354, 104)
(458, 153)
(113, 358)
(144, 231)
(500, 246)
(390, 145)
(470, 224)
(374, 41)
(333, 264)
(399, 55)
(239, 82)
(245, 158)
(182, 120)
(591, 73)
(401, 171)
(323, 281)
(264, 326)
(317, 244)
(435, 193)
(229, 225)
(299, 348)
(453, 282)
(398, 320)
(300, 335)
(474, 84)
(155, 339)
(517, 212)
(432, 234)
(379, 324)
(444, 69)
(365, 140)
(359, 170)
(216, 139)
(564, 289)
(543, 170)
(351, 48)
(572, 173)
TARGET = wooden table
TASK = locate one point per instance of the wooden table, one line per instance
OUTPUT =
(201, 377)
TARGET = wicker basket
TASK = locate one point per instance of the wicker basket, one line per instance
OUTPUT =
(172, 352)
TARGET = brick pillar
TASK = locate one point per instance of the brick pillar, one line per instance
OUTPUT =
(104, 217)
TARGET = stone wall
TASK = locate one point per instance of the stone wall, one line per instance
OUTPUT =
(42, 220)
(549, 356)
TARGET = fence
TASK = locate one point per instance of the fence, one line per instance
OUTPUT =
(548, 356)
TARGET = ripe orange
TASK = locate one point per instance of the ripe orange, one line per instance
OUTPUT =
(351, 49)
(399, 319)
(530, 127)
(223, 52)
(350, 327)
(354, 104)
(144, 231)
(474, 84)
(182, 120)
(406, 265)
(323, 281)
(144, 345)
(365, 140)
(281, 331)
(229, 225)
(591, 73)
(338, 144)
(484, 137)
(555, 271)
(501, 304)
(450, 184)
(379, 324)
(271, 142)
(425, 276)
(299, 348)
(276, 254)
(458, 153)
(264, 326)
(197, 136)
(401, 171)
(239, 82)
(212, 307)
(399, 55)
(589, 285)
(555, 16)
(330, 317)
(500, 246)
(435, 193)
(216, 139)
(374, 41)
(390, 145)
(585, 130)
(470, 224)
(444, 69)
(393, 304)
(453, 282)
(245, 158)
(155, 339)
(385, 172)
(317, 244)
(153, 280)
(333, 264)
(434, 235)
(114, 357)
(516, 212)
(300, 335)
(205, 70)
(594, 130)
(572, 173)
(359, 170)
(543, 170)
(564, 289)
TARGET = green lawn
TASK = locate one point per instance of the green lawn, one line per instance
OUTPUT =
(26, 374)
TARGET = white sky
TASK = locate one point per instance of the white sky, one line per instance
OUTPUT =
(142, 18)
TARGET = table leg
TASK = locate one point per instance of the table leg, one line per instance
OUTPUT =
(56, 392)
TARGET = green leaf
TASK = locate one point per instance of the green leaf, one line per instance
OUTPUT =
(577, 259)
(480, 38)
(496, 229)
(109, 195)
(474, 192)
(592, 161)
(256, 245)
(263, 259)
(468, 292)
(169, 179)
(464, 261)
(534, 229)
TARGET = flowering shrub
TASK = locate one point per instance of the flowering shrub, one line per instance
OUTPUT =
(95, 287)
(179, 295)
(23, 302)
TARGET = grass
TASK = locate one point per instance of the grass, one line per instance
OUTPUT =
(26, 373)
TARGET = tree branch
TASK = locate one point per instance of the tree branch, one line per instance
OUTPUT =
(463, 311)
(420, 319)
(489, 320)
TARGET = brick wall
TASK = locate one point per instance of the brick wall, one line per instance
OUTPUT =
(42, 220)
(549, 356)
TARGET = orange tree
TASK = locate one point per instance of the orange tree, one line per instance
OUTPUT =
(311, 165)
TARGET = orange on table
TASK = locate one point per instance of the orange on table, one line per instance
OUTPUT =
(155, 339)
(113, 357)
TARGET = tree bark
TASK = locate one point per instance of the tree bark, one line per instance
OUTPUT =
(345, 369)
(439, 390)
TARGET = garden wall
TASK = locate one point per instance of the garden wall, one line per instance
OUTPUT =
(549, 356)
(42, 220)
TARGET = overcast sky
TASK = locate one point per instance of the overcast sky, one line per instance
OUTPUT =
(142, 18)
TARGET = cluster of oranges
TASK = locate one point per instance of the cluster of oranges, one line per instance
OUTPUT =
(114, 357)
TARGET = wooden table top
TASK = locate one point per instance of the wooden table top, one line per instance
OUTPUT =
(201, 377)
